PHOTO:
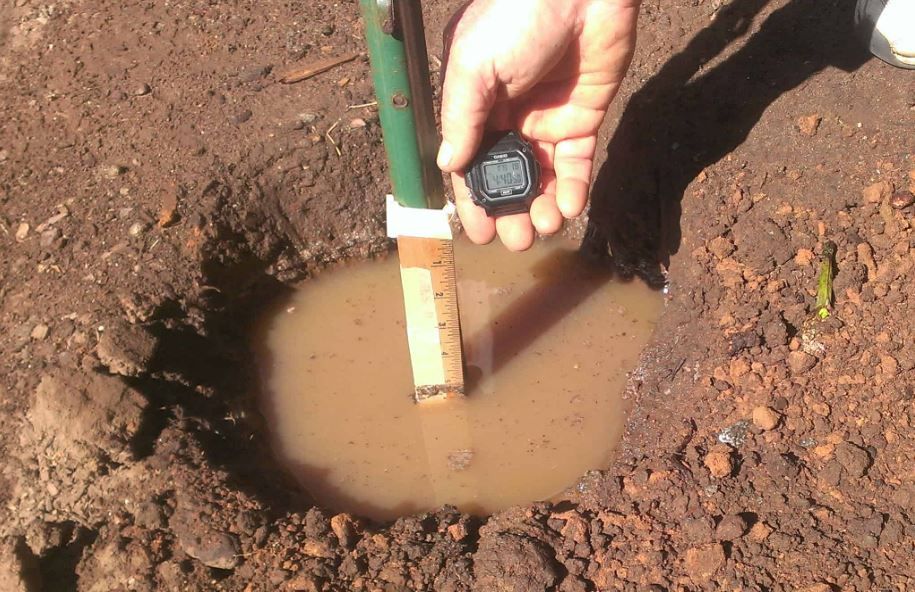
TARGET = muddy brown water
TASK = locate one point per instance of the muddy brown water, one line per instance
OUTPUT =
(548, 340)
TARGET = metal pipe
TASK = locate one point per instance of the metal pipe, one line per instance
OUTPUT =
(400, 71)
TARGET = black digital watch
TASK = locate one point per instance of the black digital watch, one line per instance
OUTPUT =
(504, 178)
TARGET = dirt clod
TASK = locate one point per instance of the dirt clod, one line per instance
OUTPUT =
(168, 210)
(902, 199)
(765, 418)
(878, 192)
(854, 459)
(126, 349)
(218, 550)
(731, 527)
(39, 332)
(760, 532)
(514, 563)
(800, 361)
(702, 562)
(101, 413)
(809, 124)
(719, 463)
(344, 529)
(721, 247)
(458, 531)
(818, 587)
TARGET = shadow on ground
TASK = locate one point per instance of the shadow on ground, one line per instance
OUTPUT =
(685, 119)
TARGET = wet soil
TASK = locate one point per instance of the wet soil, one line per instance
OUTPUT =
(158, 187)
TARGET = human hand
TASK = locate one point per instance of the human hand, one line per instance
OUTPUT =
(549, 69)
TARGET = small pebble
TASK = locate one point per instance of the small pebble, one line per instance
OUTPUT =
(719, 464)
(49, 236)
(142, 90)
(113, 171)
(878, 192)
(242, 116)
(809, 125)
(731, 527)
(902, 199)
(854, 459)
(765, 418)
(760, 532)
(734, 435)
(255, 73)
(39, 332)
(308, 117)
(799, 361)
(136, 229)
(22, 231)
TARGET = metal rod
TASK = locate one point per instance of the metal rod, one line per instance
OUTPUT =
(400, 70)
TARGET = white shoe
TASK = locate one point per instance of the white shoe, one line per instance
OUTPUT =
(888, 26)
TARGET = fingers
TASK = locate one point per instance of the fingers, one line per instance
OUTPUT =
(516, 231)
(572, 163)
(566, 178)
(545, 215)
(468, 96)
(479, 227)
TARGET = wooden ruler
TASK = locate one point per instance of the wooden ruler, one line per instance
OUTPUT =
(429, 280)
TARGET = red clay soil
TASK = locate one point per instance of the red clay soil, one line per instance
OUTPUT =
(158, 186)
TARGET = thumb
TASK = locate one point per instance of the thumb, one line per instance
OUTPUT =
(468, 95)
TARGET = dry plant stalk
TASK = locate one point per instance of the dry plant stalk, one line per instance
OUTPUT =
(316, 68)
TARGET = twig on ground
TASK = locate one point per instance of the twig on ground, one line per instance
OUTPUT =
(351, 107)
(331, 138)
(316, 68)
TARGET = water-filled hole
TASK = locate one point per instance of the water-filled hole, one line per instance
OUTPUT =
(549, 340)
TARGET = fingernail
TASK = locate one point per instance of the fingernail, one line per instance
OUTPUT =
(445, 153)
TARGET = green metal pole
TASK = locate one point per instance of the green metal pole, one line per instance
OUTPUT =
(400, 70)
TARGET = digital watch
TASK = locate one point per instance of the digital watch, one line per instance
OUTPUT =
(505, 176)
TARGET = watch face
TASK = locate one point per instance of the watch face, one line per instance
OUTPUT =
(504, 175)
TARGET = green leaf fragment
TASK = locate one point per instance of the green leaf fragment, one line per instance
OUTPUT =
(824, 284)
